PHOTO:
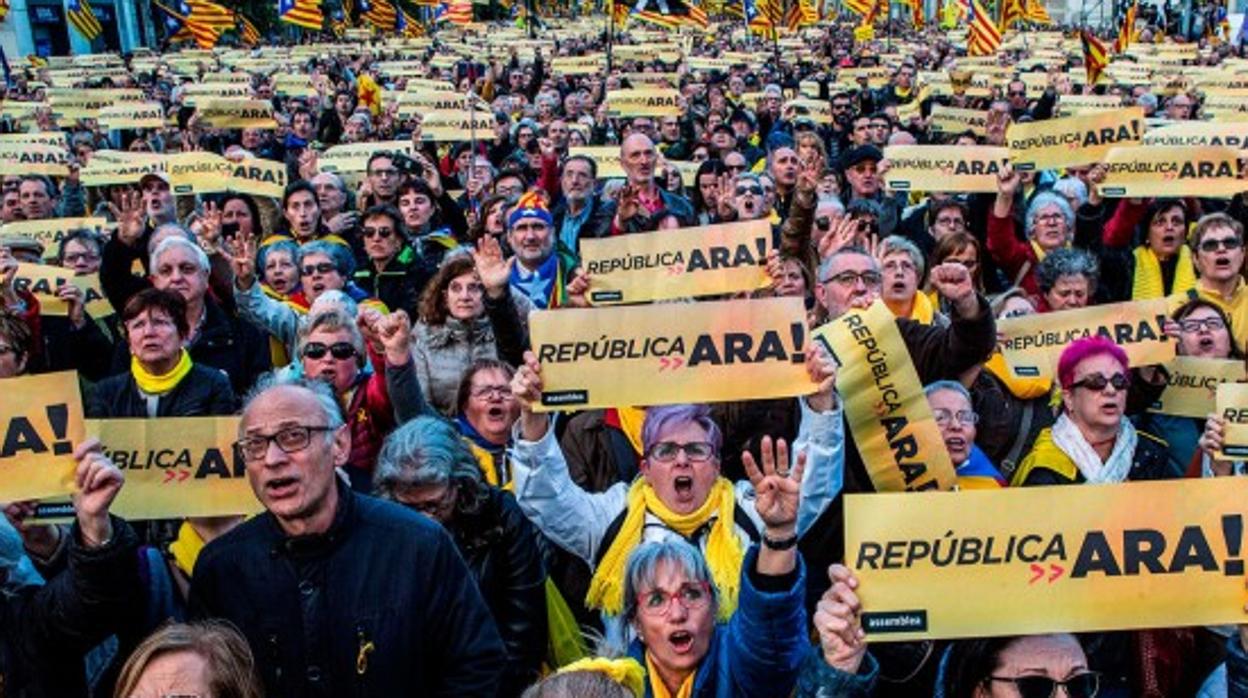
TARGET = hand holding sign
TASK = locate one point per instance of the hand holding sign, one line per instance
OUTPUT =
(98, 482)
(526, 387)
(1008, 182)
(838, 621)
(39, 539)
(73, 297)
(1211, 443)
(822, 369)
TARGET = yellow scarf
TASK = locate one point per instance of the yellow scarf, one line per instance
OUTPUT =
(185, 548)
(625, 671)
(1147, 282)
(159, 385)
(1020, 387)
(1040, 253)
(923, 311)
(631, 421)
(724, 553)
(659, 689)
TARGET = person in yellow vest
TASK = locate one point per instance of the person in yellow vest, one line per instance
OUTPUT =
(956, 418)
(1092, 440)
(904, 266)
(1219, 243)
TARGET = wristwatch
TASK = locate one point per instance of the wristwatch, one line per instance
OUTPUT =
(785, 544)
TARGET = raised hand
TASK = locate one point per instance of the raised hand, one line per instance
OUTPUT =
(492, 267)
(243, 263)
(777, 491)
(74, 300)
(839, 624)
(526, 387)
(843, 234)
(98, 481)
(953, 281)
(822, 371)
(809, 175)
(627, 203)
(395, 333)
(578, 288)
(309, 164)
(129, 217)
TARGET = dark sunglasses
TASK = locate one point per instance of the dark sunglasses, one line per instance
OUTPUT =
(339, 350)
(383, 233)
(1078, 686)
(1018, 93)
(823, 223)
(1097, 382)
(735, 168)
(756, 191)
(1213, 245)
(322, 268)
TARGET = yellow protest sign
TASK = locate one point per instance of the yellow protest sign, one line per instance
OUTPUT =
(177, 467)
(1068, 105)
(1075, 140)
(1144, 171)
(1032, 344)
(120, 168)
(1192, 388)
(21, 111)
(50, 231)
(643, 101)
(818, 111)
(257, 177)
(1206, 133)
(353, 157)
(710, 351)
(43, 280)
(42, 420)
(706, 63)
(193, 95)
(1231, 401)
(885, 407)
(683, 263)
(196, 172)
(1102, 557)
(944, 168)
(607, 157)
(953, 120)
(236, 113)
(33, 158)
(445, 126)
(133, 115)
(47, 138)
(577, 65)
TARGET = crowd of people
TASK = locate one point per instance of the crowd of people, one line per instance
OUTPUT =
(426, 528)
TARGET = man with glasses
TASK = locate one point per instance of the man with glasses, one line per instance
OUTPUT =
(335, 591)
(642, 205)
(578, 213)
(383, 180)
(1219, 243)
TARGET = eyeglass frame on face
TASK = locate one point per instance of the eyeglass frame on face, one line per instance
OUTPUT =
(303, 431)
(653, 452)
(1219, 244)
(944, 417)
(665, 609)
(1054, 683)
(1212, 324)
(385, 172)
(849, 277)
(750, 189)
(335, 350)
(1097, 382)
(381, 233)
(434, 506)
(950, 222)
(75, 257)
(1052, 216)
(488, 391)
(318, 268)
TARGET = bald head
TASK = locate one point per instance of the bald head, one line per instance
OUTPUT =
(637, 156)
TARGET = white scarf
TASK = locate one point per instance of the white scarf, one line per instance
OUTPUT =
(1068, 438)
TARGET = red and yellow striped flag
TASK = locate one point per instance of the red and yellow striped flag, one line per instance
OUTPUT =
(984, 38)
(1095, 57)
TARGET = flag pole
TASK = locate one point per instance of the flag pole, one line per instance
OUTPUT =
(889, 43)
(610, 5)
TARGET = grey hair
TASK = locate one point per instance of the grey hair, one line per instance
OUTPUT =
(953, 386)
(335, 299)
(340, 255)
(582, 683)
(1072, 188)
(896, 243)
(161, 231)
(331, 320)
(643, 568)
(1068, 261)
(201, 258)
(1147, 100)
(831, 201)
(826, 266)
(334, 179)
(425, 451)
(1049, 198)
(324, 394)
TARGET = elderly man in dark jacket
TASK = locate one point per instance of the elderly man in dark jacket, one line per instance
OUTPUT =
(340, 594)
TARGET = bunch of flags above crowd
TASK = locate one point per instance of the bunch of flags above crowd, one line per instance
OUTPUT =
(203, 21)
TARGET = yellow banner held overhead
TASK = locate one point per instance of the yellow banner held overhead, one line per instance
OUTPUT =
(1070, 105)
(1172, 170)
(42, 420)
(353, 157)
(1228, 134)
(818, 111)
(236, 113)
(1032, 344)
(684, 263)
(444, 126)
(945, 168)
(257, 177)
(133, 115)
(1072, 141)
(50, 231)
(885, 406)
(43, 280)
(1102, 557)
(1231, 401)
(177, 467)
(48, 138)
(1192, 387)
(953, 120)
(711, 351)
(643, 101)
(606, 157)
(33, 158)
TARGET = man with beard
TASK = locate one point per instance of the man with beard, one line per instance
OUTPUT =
(577, 212)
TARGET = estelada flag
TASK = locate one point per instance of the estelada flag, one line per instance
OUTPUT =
(1095, 57)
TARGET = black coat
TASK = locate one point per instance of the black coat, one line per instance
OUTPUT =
(501, 548)
(48, 629)
(203, 392)
(381, 604)
(399, 285)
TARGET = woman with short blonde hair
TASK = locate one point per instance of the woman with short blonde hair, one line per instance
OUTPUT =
(208, 659)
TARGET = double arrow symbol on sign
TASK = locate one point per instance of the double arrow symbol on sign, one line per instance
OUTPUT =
(1037, 572)
(180, 475)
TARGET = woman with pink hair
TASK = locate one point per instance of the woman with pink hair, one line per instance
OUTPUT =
(1092, 440)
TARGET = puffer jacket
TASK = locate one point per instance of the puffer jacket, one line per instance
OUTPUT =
(443, 352)
(379, 401)
(204, 392)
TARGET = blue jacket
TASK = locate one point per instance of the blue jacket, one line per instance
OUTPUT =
(1236, 668)
(757, 654)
